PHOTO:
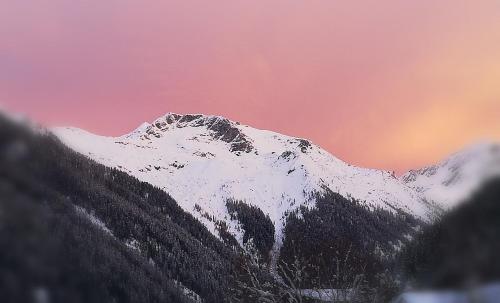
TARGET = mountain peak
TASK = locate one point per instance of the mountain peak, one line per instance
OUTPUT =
(219, 128)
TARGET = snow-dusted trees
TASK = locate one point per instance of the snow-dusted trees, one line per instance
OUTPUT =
(256, 226)
(285, 285)
(293, 283)
(338, 227)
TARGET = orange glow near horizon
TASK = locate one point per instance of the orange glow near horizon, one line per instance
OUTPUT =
(384, 84)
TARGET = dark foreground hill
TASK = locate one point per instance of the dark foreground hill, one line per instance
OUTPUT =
(72, 230)
(461, 249)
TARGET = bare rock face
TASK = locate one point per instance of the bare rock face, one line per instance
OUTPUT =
(219, 129)
(304, 145)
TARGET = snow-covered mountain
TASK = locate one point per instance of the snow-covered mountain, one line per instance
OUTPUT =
(202, 161)
(455, 178)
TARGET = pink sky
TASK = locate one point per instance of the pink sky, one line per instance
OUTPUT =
(384, 84)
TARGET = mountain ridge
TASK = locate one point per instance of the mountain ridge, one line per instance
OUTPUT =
(203, 161)
(282, 199)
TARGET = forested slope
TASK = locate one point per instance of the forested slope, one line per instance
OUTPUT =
(139, 246)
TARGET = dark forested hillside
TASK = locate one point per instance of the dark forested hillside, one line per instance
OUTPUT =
(47, 250)
(256, 225)
(139, 247)
(462, 248)
(343, 237)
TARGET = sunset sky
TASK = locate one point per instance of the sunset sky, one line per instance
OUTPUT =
(389, 84)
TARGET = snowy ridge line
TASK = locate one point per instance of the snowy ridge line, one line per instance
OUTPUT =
(206, 160)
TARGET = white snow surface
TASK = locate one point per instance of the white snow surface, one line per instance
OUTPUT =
(488, 293)
(204, 160)
(457, 177)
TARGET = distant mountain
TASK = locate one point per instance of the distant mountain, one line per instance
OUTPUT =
(205, 161)
(457, 177)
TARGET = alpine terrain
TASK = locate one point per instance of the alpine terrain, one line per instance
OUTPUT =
(205, 161)
(196, 208)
